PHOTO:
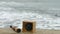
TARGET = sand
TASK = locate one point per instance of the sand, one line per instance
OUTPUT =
(38, 31)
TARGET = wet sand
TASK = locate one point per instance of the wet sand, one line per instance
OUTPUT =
(38, 31)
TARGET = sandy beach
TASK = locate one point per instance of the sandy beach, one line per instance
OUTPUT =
(38, 31)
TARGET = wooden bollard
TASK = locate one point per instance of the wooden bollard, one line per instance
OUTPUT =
(29, 26)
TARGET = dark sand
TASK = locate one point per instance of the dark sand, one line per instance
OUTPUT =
(39, 31)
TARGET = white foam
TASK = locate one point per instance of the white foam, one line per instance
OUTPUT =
(10, 16)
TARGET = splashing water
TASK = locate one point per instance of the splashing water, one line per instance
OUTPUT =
(13, 13)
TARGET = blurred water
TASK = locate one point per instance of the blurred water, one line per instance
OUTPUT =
(46, 13)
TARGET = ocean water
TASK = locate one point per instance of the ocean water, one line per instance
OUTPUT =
(45, 13)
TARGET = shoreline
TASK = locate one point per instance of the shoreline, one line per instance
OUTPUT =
(38, 31)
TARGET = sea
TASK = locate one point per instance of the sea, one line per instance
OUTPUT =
(46, 13)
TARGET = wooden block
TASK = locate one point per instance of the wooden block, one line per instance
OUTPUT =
(29, 24)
